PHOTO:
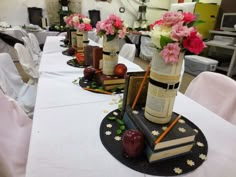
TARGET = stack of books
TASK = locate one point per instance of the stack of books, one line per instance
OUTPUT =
(109, 82)
(178, 141)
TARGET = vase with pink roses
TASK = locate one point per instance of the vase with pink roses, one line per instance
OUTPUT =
(111, 29)
(172, 35)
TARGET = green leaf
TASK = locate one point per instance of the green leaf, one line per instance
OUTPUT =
(118, 131)
(195, 23)
(165, 40)
(119, 121)
(122, 127)
(112, 118)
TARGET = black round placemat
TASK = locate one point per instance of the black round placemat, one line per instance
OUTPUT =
(73, 62)
(63, 45)
(162, 168)
(65, 52)
(84, 83)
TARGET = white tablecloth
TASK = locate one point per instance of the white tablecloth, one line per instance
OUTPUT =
(65, 135)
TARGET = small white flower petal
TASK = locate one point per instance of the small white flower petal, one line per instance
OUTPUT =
(155, 133)
(195, 130)
(117, 138)
(115, 113)
(108, 132)
(135, 112)
(183, 130)
(200, 144)
(202, 156)
(181, 121)
(190, 163)
(111, 103)
(109, 125)
(85, 82)
(177, 170)
(164, 128)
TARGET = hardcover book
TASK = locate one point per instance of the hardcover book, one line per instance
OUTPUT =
(108, 80)
(181, 133)
(114, 86)
(97, 56)
(88, 54)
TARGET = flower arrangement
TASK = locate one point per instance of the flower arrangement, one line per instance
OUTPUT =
(174, 33)
(111, 27)
(78, 21)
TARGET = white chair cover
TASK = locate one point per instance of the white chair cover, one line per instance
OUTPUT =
(216, 92)
(35, 43)
(12, 85)
(15, 131)
(62, 34)
(128, 51)
(146, 48)
(29, 46)
(93, 35)
(27, 62)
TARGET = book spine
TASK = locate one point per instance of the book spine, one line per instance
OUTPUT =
(132, 119)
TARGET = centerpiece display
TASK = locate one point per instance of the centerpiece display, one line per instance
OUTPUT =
(172, 35)
(156, 140)
(71, 31)
(111, 30)
(82, 24)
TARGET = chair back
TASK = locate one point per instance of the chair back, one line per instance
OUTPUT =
(15, 131)
(28, 45)
(35, 43)
(10, 79)
(128, 51)
(216, 92)
(26, 61)
(95, 16)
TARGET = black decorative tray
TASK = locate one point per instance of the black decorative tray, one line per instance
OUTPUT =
(168, 167)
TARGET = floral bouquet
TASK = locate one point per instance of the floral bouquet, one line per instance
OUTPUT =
(174, 33)
(111, 27)
(78, 21)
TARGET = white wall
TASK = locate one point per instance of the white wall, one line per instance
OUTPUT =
(15, 11)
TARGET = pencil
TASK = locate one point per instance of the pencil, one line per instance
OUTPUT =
(97, 90)
(141, 87)
(167, 130)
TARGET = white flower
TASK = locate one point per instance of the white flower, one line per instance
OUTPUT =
(115, 113)
(183, 130)
(190, 163)
(155, 133)
(108, 125)
(86, 20)
(117, 138)
(200, 144)
(108, 132)
(202, 156)
(75, 19)
(164, 128)
(195, 130)
(135, 112)
(157, 32)
(177, 170)
(181, 121)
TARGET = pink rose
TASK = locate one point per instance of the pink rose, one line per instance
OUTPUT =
(179, 31)
(188, 17)
(170, 53)
(172, 18)
(194, 43)
(88, 27)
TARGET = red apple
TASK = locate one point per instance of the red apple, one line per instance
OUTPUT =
(132, 143)
(89, 73)
(120, 70)
(71, 51)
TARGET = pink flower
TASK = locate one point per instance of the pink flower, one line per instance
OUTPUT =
(112, 26)
(188, 17)
(179, 31)
(170, 53)
(194, 43)
(172, 18)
